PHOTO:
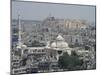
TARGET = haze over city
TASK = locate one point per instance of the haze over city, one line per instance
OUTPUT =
(39, 11)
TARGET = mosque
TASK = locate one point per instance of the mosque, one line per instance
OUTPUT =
(55, 48)
(52, 49)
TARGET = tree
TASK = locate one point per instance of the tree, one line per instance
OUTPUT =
(69, 62)
(73, 53)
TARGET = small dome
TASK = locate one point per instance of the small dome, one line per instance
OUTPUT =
(53, 44)
(24, 46)
(18, 47)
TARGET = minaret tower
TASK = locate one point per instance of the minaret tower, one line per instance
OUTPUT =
(19, 34)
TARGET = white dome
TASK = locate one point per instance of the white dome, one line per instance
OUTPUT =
(59, 43)
(18, 47)
(24, 46)
(53, 44)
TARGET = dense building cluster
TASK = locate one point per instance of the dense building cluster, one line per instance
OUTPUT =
(38, 45)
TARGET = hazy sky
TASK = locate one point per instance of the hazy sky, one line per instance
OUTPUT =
(39, 11)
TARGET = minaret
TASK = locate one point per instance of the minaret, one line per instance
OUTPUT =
(19, 35)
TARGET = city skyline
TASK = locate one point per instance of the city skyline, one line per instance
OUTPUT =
(63, 11)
